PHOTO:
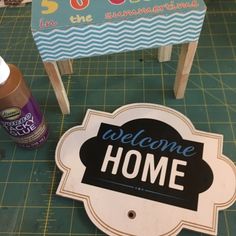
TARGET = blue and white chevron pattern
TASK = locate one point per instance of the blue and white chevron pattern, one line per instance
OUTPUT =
(143, 33)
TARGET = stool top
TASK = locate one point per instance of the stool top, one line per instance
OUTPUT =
(67, 29)
(51, 14)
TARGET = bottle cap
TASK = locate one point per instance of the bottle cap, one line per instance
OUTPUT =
(4, 71)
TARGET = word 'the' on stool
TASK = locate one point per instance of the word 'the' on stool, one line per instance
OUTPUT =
(65, 30)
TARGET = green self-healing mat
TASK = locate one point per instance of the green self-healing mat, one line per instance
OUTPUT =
(29, 179)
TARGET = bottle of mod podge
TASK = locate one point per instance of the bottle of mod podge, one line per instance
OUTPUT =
(20, 115)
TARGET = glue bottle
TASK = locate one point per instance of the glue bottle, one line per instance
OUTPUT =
(20, 115)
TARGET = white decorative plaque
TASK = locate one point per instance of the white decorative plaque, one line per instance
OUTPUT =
(145, 170)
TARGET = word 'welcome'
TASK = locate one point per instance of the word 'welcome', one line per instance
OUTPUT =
(139, 140)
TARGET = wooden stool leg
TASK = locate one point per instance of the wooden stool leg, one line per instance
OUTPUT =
(57, 84)
(65, 67)
(184, 66)
(164, 53)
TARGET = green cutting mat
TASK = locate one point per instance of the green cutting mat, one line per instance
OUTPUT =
(28, 179)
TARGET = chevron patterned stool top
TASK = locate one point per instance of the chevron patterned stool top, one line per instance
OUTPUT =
(65, 30)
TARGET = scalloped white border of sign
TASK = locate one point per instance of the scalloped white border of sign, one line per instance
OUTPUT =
(108, 209)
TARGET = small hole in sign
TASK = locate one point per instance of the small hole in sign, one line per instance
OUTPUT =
(132, 214)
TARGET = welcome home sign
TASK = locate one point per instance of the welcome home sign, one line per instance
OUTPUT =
(145, 170)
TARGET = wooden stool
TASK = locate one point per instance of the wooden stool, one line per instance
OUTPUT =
(65, 30)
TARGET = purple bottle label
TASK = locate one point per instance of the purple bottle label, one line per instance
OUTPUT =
(26, 126)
